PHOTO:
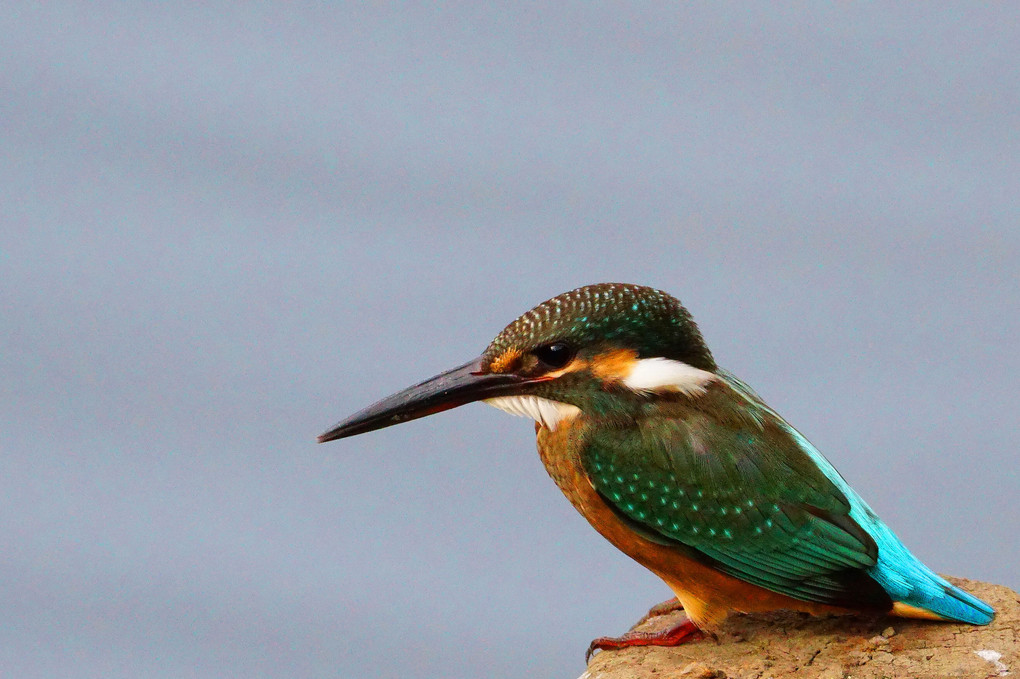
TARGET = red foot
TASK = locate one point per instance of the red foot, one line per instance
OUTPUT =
(672, 636)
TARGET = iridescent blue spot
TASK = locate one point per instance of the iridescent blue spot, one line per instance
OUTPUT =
(722, 510)
(631, 488)
(629, 506)
(694, 507)
(616, 496)
(695, 530)
(757, 529)
(644, 497)
(737, 510)
(726, 532)
(768, 522)
(711, 531)
(619, 479)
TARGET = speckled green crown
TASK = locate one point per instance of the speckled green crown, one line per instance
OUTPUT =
(636, 317)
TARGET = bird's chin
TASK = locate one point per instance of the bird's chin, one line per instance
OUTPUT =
(546, 412)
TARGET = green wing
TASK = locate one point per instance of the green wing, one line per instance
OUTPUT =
(744, 497)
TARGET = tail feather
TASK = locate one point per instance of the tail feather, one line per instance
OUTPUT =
(919, 591)
(958, 605)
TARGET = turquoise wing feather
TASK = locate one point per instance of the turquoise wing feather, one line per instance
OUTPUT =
(753, 497)
(740, 498)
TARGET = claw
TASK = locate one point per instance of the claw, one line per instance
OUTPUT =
(664, 608)
(671, 636)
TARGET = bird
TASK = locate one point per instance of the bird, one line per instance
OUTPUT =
(683, 467)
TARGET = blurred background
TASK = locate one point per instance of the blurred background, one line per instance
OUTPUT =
(224, 227)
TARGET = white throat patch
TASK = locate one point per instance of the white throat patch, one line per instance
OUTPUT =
(547, 413)
(663, 374)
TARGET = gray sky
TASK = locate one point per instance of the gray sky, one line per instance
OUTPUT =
(226, 227)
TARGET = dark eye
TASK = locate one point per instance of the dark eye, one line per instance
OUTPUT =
(555, 355)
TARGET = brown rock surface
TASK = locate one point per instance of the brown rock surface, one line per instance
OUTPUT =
(787, 644)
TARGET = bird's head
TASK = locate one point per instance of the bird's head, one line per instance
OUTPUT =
(595, 348)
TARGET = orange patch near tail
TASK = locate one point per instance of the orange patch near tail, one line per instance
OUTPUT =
(907, 611)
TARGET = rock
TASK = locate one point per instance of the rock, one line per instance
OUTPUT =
(697, 670)
(782, 644)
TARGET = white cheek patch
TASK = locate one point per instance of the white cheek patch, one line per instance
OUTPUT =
(663, 374)
(547, 413)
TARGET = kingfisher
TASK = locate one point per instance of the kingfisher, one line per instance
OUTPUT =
(683, 467)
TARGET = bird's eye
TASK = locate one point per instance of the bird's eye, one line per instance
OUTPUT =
(555, 355)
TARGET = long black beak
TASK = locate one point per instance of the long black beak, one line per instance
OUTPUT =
(444, 391)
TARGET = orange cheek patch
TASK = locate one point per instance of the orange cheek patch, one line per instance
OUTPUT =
(506, 361)
(614, 366)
